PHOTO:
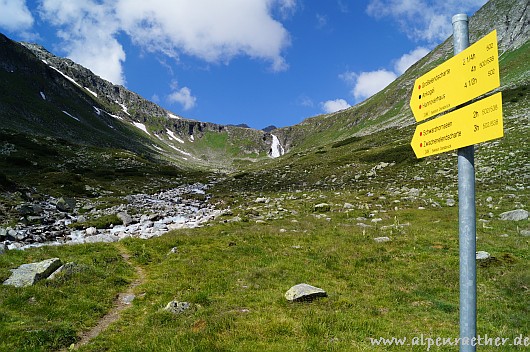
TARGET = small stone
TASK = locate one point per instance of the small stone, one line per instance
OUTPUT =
(347, 206)
(3, 248)
(450, 202)
(127, 299)
(382, 239)
(262, 200)
(173, 250)
(515, 215)
(176, 307)
(304, 292)
(525, 233)
(322, 208)
(481, 255)
(91, 231)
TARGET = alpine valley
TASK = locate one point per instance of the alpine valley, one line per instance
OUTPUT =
(148, 207)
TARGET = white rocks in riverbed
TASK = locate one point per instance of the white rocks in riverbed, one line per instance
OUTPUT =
(101, 238)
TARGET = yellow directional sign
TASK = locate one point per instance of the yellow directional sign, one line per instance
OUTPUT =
(472, 124)
(465, 76)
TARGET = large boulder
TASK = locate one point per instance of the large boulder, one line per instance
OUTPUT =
(304, 292)
(29, 274)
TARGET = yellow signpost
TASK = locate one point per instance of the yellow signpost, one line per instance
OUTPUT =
(474, 123)
(471, 73)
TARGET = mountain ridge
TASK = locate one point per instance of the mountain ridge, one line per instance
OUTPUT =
(232, 147)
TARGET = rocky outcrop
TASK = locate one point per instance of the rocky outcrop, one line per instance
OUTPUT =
(29, 274)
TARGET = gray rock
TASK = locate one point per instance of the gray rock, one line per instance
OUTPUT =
(515, 215)
(322, 208)
(66, 270)
(262, 200)
(382, 239)
(127, 299)
(525, 233)
(176, 307)
(66, 205)
(125, 218)
(347, 206)
(450, 202)
(3, 248)
(29, 274)
(30, 209)
(481, 255)
(304, 292)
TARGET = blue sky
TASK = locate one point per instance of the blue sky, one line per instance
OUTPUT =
(259, 62)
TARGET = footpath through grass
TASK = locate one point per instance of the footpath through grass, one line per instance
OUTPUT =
(235, 275)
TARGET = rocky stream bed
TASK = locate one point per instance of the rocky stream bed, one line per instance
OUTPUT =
(53, 221)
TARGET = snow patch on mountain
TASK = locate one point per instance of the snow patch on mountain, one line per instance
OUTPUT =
(123, 107)
(91, 92)
(72, 116)
(43, 96)
(173, 136)
(180, 151)
(141, 126)
(172, 116)
(67, 77)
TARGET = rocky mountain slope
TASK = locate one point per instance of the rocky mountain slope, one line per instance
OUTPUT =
(390, 107)
(50, 96)
(112, 115)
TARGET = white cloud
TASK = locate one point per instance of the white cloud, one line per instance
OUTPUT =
(423, 20)
(334, 105)
(88, 30)
(15, 16)
(322, 21)
(183, 96)
(369, 83)
(366, 84)
(407, 60)
(212, 30)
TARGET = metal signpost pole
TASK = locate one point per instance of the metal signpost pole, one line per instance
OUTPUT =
(466, 218)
